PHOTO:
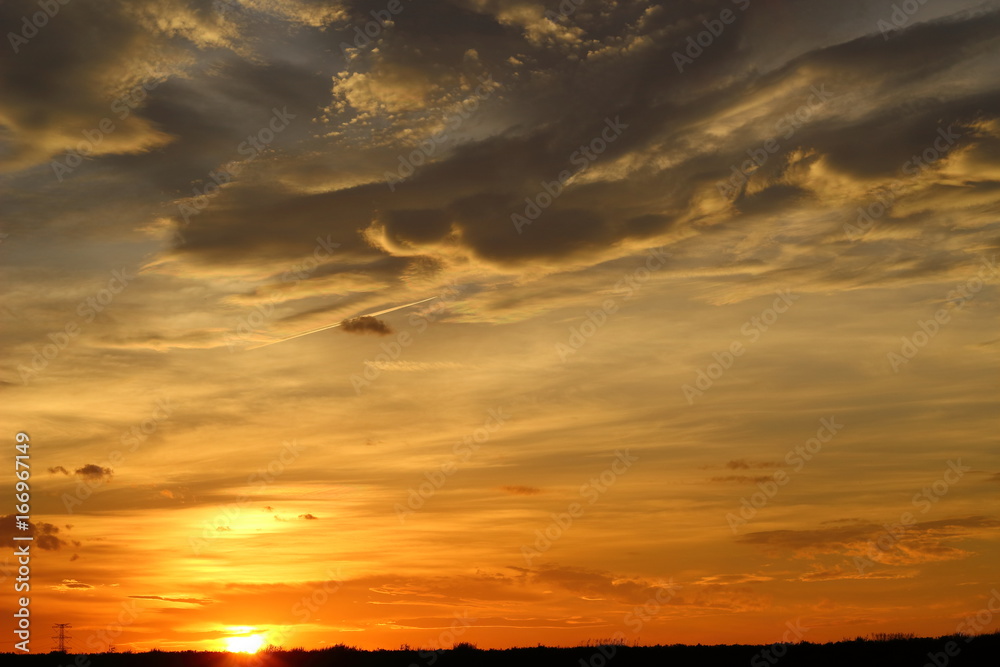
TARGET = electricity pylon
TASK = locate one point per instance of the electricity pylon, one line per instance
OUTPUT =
(62, 636)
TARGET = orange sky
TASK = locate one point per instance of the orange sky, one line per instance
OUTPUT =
(705, 351)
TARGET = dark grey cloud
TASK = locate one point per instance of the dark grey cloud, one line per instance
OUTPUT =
(554, 88)
(64, 80)
(46, 534)
(366, 324)
(94, 472)
(70, 583)
(467, 198)
(409, 229)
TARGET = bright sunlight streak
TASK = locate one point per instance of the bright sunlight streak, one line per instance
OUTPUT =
(244, 644)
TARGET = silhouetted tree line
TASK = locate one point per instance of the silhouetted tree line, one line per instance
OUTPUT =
(880, 650)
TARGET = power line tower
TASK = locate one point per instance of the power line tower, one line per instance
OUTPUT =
(61, 637)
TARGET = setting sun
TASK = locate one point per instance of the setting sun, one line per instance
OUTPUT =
(244, 644)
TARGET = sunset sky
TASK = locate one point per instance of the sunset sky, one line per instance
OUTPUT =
(707, 319)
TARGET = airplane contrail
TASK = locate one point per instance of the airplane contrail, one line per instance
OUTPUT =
(337, 324)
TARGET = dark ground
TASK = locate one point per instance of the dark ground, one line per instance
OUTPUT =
(980, 651)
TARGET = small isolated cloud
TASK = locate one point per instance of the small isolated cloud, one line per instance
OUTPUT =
(74, 557)
(71, 584)
(201, 601)
(46, 534)
(94, 472)
(520, 490)
(309, 517)
(46, 537)
(366, 324)
(59, 469)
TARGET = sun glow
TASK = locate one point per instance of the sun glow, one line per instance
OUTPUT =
(244, 644)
